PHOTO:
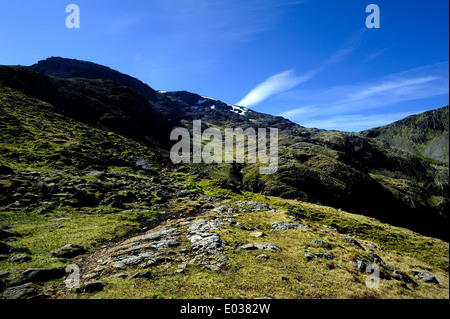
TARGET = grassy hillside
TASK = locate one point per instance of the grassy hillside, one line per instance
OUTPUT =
(425, 135)
(149, 230)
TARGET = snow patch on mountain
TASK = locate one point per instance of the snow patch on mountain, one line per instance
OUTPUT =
(238, 109)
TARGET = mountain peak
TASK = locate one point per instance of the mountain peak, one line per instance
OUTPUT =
(72, 68)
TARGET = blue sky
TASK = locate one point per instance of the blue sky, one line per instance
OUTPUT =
(312, 61)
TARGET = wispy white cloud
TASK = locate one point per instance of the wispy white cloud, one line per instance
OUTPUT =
(341, 107)
(287, 80)
(395, 87)
(375, 54)
(275, 84)
(356, 122)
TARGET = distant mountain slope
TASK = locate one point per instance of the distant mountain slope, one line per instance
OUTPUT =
(425, 134)
(350, 171)
(102, 103)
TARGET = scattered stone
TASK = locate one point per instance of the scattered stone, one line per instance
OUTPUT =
(254, 206)
(3, 273)
(313, 286)
(262, 256)
(405, 278)
(159, 235)
(179, 271)
(231, 221)
(146, 275)
(373, 246)
(321, 243)
(142, 164)
(183, 265)
(248, 247)
(219, 209)
(362, 265)
(295, 218)
(166, 243)
(285, 225)
(222, 259)
(5, 170)
(354, 242)
(238, 243)
(6, 234)
(213, 268)
(96, 174)
(330, 227)
(24, 291)
(376, 259)
(285, 279)
(257, 234)
(309, 255)
(263, 246)
(200, 226)
(324, 255)
(8, 249)
(93, 286)
(240, 226)
(68, 251)
(120, 275)
(425, 276)
(209, 242)
(43, 274)
(153, 262)
(20, 258)
(130, 261)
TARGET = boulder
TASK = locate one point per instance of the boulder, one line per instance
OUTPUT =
(324, 255)
(257, 234)
(43, 274)
(6, 234)
(321, 243)
(286, 225)
(309, 255)
(94, 286)
(254, 206)
(142, 164)
(425, 276)
(263, 246)
(5, 170)
(68, 251)
(20, 258)
(20, 292)
(8, 249)
(354, 242)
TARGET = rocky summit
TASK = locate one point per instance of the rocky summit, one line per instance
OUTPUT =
(91, 206)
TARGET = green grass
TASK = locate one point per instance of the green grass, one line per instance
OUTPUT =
(246, 276)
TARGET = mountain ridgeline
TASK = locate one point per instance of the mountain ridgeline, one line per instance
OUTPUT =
(425, 135)
(397, 173)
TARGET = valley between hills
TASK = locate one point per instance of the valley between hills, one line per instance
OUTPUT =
(92, 207)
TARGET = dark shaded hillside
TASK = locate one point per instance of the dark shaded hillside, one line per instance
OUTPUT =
(102, 103)
(425, 134)
(354, 172)
(71, 68)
